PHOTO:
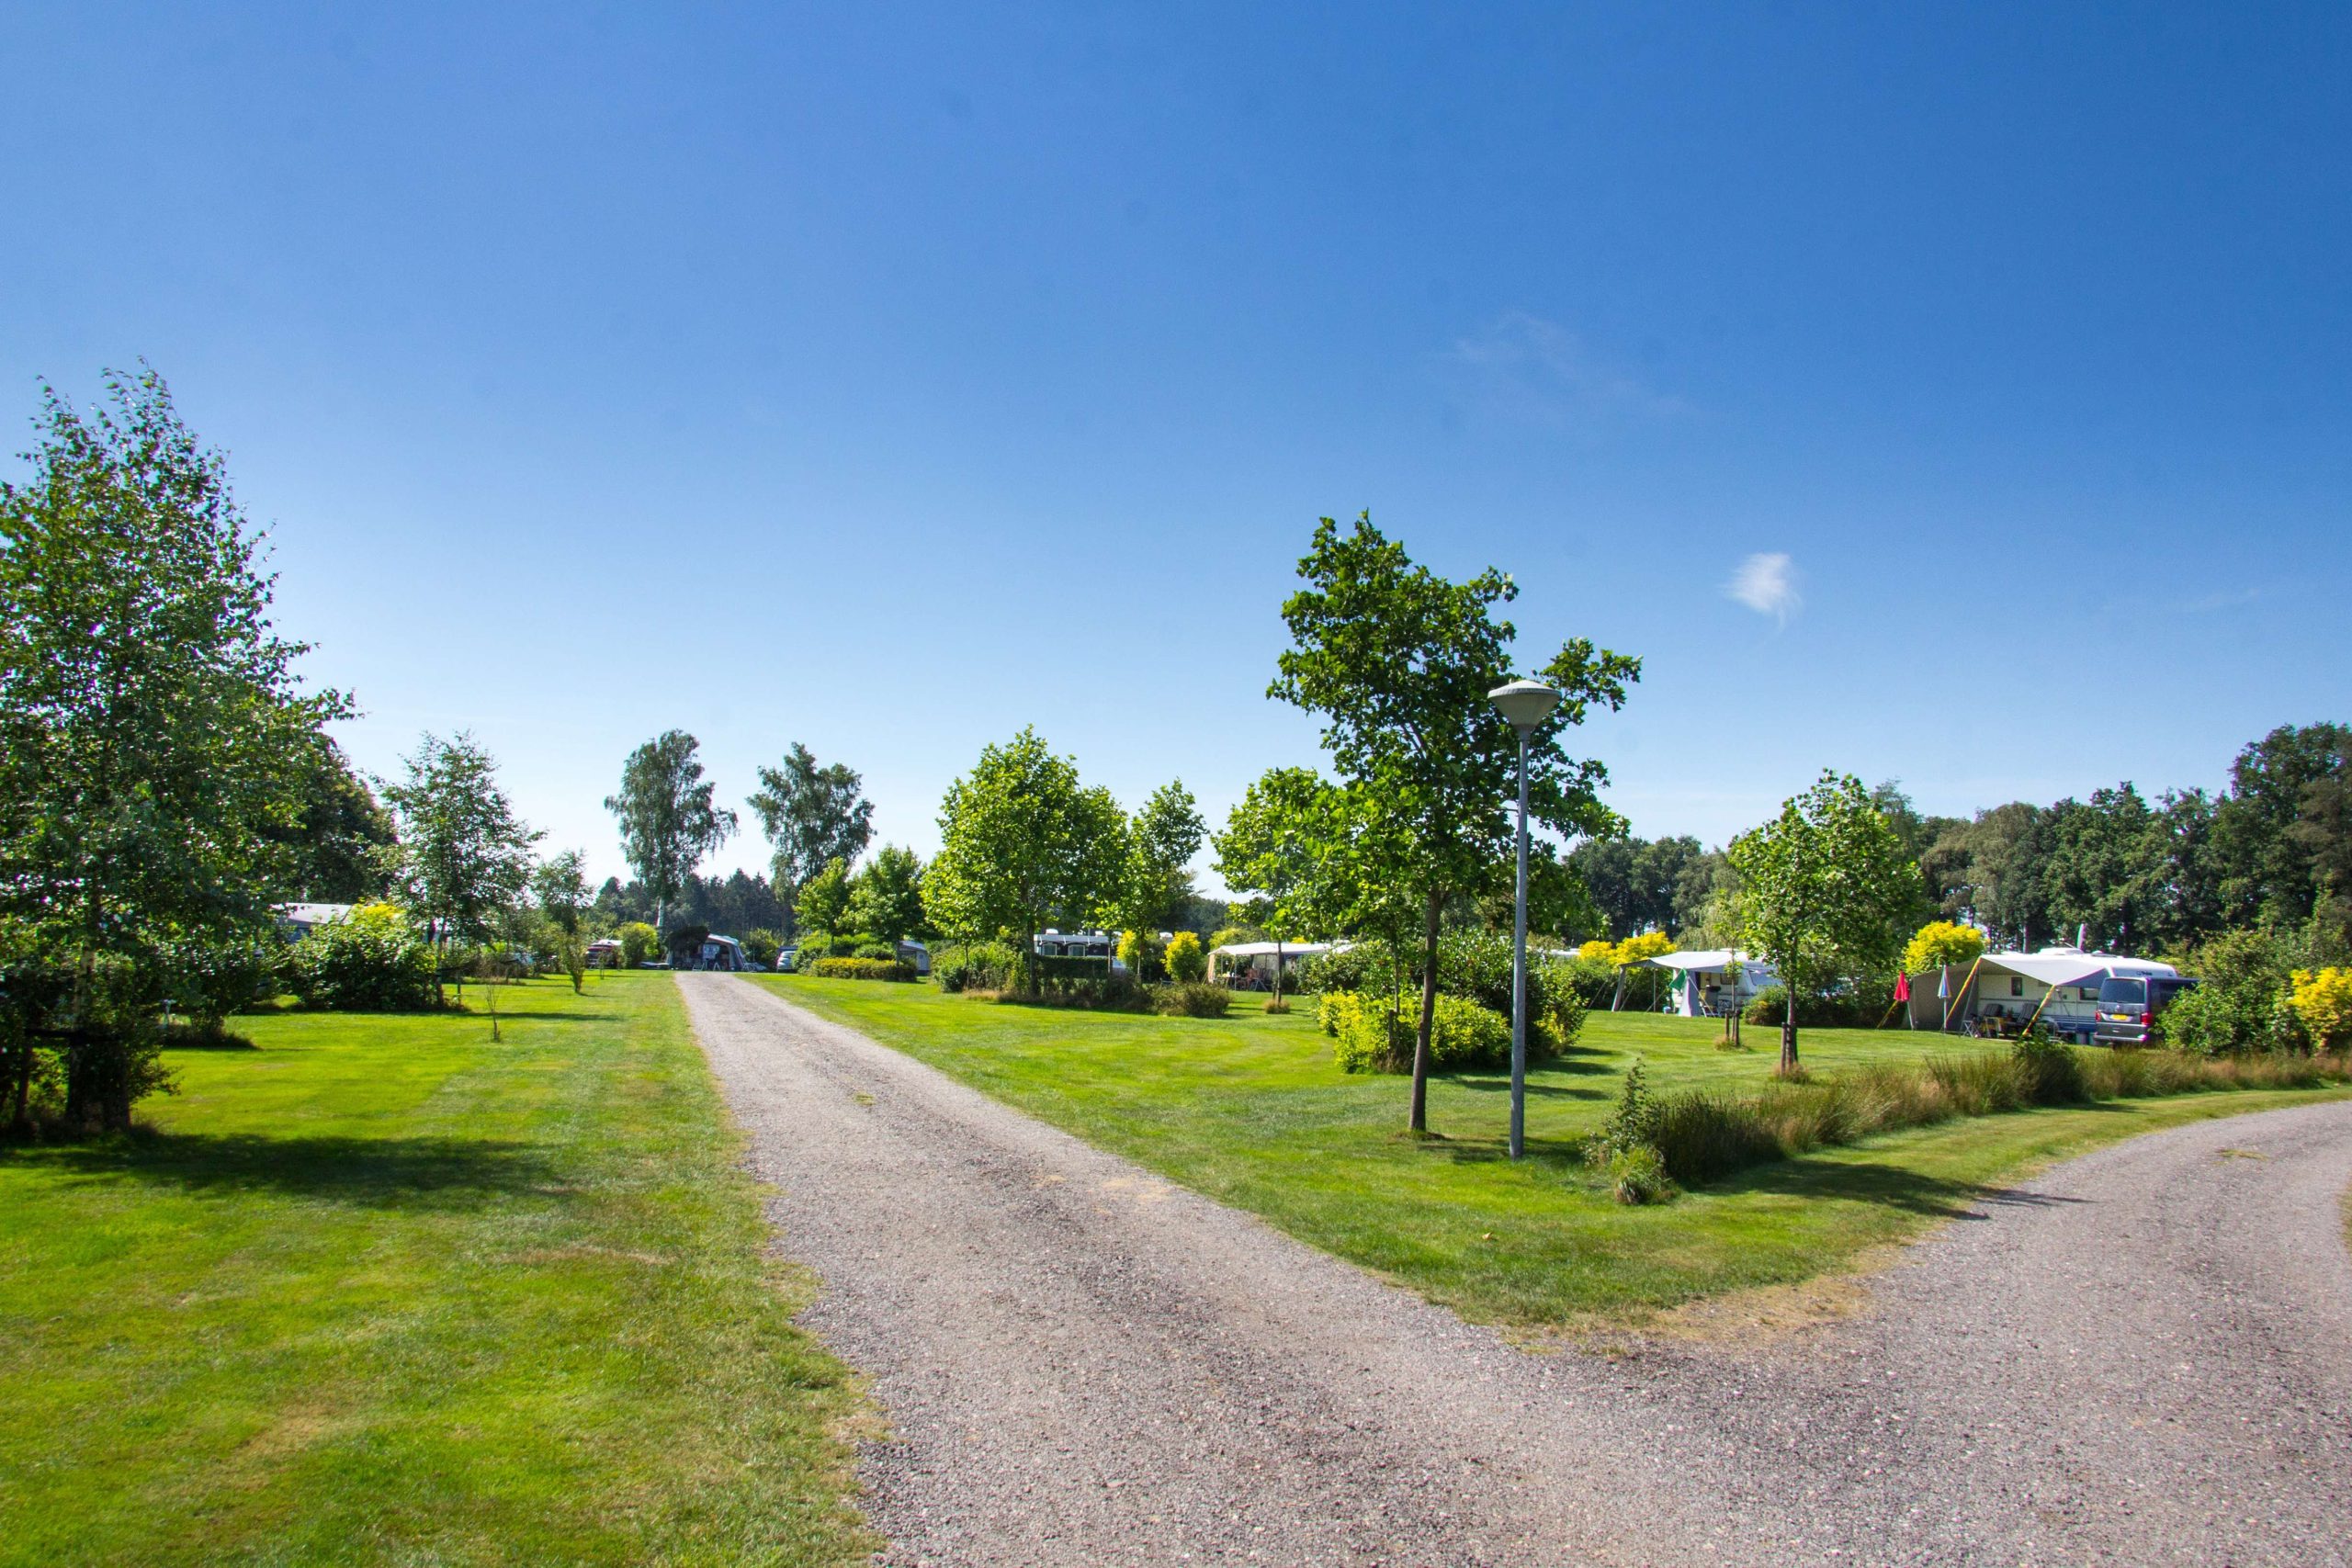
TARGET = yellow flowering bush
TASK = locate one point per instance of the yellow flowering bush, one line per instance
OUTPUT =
(1633, 949)
(2323, 1002)
(1939, 942)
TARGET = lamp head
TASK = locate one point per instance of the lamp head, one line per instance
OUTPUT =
(1524, 704)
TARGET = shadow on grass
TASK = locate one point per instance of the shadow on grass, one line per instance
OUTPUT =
(1890, 1185)
(426, 1173)
(1536, 1088)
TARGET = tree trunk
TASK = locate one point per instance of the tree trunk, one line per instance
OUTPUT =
(1788, 1027)
(1278, 973)
(1421, 1117)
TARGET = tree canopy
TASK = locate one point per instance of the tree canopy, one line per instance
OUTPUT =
(465, 855)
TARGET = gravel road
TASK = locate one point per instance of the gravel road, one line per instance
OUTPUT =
(2144, 1357)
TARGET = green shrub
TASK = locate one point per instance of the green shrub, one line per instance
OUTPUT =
(638, 942)
(1703, 1134)
(1636, 1121)
(1096, 993)
(1594, 980)
(861, 969)
(1862, 1007)
(209, 981)
(976, 967)
(1463, 1036)
(1227, 936)
(361, 966)
(1369, 967)
(2048, 1073)
(761, 945)
(1335, 1011)
(1638, 1174)
(881, 950)
(1192, 999)
(1055, 967)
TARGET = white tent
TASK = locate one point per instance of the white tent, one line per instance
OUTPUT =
(1256, 960)
(2056, 985)
(1704, 986)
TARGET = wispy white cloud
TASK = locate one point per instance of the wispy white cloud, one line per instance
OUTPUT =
(1767, 583)
(1525, 368)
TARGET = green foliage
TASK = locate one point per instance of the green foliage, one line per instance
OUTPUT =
(638, 942)
(343, 843)
(1231, 936)
(762, 945)
(1861, 1006)
(882, 950)
(2321, 1001)
(812, 817)
(1194, 998)
(1638, 1175)
(860, 969)
(2243, 1004)
(886, 897)
(1472, 966)
(361, 966)
(207, 981)
(1283, 843)
(976, 967)
(1025, 845)
(667, 815)
(1636, 1119)
(2048, 1072)
(1187, 961)
(1464, 1037)
(824, 901)
(466, 854)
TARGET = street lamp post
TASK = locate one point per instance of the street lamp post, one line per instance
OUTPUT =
(1525, 704)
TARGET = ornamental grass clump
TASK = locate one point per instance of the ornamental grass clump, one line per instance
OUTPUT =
(1625, 1151)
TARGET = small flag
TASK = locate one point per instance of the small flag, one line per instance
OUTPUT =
(1903, 988)
(1943, 984)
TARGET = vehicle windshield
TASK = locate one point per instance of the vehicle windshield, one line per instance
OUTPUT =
(2112, 992)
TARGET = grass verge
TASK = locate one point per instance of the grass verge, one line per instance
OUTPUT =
(1250, 1109)
(377, 1290)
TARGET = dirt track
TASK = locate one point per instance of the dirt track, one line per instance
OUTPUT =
(2143, 1357)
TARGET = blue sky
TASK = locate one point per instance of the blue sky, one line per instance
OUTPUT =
(886, 378)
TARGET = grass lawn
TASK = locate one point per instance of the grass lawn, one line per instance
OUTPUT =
(380, 1290)
(1250, 1109)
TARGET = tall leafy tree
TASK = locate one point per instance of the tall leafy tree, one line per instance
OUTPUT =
(2273, 842)
(1025, 845)
(886, 897)
(1828, 892)
(465, 855)
(561, 886)
(1398, 661)
(824, 900)
(1279, 846)
(812, 817)
(667, 818)
(1162, 838)
(343, 845)
(154, 739)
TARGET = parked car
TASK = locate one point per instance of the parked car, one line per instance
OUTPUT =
(784, 957)
(2129, 1006)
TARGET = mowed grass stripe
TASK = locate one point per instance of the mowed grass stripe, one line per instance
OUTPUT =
(383, 1290)
(1250, 1109)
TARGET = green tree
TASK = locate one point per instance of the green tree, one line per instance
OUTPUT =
(667, 818)
(466, 856)
(155, 742)
(1025, 845)
(1829, 893)
(1279, 845)
(1398, 661)
(824, 899)
(812, 817)
(343, 845)
(1162, 839)
(561, 886)
(2269, 870)
(885, 898)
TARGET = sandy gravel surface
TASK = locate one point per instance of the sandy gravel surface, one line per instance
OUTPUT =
(2146, 1357)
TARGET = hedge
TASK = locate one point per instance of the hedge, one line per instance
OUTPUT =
(862, 969)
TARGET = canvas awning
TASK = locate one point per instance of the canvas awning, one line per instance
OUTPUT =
(1705, 959)
(2055, 966)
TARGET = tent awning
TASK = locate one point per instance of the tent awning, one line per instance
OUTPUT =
(2064, 966)
(1712, 958)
